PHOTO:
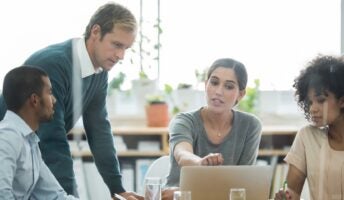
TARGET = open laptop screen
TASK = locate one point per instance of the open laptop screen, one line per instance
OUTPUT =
(215, 182)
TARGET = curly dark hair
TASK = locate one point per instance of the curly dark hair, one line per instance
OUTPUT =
(323, 74)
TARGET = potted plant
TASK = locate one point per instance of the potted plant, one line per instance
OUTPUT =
(184, 86)
(201, 77)
(140, 88)
(168, 91)
(184, 98)
(148, 58)
(116, 83)
(113, 88)
(250, 100)
(156, 111)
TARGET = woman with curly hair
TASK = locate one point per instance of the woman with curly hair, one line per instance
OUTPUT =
(317, 153)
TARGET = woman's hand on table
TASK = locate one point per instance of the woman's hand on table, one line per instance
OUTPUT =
(167, 193)
(288, 194)
(131, 196)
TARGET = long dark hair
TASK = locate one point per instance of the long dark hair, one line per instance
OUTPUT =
(238, 67)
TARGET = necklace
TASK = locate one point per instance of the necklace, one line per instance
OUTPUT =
(217, 131)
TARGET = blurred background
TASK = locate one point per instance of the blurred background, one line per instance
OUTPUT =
(177, 41)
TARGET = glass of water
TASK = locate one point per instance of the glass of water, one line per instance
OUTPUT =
(182, 195)
(153, 188)
(237, 194)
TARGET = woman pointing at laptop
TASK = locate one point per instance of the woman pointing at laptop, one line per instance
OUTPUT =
(215, 134)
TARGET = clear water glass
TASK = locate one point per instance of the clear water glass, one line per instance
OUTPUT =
(237, 194)
(182, 195)
(153, 188)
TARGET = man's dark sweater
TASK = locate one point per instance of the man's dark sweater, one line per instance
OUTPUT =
(57, 61)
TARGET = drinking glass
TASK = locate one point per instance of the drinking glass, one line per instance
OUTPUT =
(182, 195)
(237, 194)
(153, 188)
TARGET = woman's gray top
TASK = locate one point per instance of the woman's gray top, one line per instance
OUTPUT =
(239, 147)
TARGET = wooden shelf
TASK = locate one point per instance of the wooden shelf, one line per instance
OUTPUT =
(277, 139)
(272, 152)
(135, 153)
(133, 130)
(129, 153)
(162, 132)
(279, 130)
(140, 130)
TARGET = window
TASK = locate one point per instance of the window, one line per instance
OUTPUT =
(274, 39)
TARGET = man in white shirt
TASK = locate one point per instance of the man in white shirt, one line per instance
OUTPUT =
(23, 174)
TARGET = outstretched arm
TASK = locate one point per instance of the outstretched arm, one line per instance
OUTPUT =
(183, 153)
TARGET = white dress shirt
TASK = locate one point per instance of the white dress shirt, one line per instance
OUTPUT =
(23, 174)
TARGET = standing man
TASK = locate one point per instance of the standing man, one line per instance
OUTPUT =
(23, 174)
(78, 69)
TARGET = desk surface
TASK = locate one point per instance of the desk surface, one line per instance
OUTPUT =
(267, 130)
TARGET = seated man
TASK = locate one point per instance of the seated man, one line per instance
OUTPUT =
(23, 174)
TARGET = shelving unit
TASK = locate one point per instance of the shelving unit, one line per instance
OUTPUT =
(134, 161)
(275, 144)
(274, 140)
(154, 133)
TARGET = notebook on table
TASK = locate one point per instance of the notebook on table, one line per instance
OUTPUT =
(215, 182)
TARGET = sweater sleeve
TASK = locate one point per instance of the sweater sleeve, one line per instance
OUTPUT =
(3, 107)
(180, 130)
(100, 139)
(251, 146)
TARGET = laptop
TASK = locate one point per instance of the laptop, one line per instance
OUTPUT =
(215, 182)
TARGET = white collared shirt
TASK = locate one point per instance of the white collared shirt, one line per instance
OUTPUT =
(23, 174)
(84, 62)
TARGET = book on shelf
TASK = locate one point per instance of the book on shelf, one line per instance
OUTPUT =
(142, 166)
(128, 179)
(78, 168)
(262, 162)
(95, 185)
(119, 143)
(278, 178)
(148, 146)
